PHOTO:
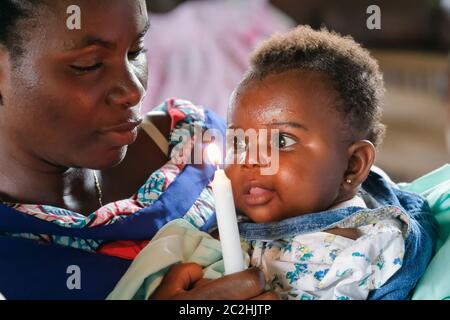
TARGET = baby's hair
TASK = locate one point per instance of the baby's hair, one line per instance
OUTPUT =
(11, 13)
(354, 74)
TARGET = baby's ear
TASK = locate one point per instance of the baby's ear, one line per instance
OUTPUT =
(361, 158)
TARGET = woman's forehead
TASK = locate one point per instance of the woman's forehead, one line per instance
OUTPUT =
(107, 20)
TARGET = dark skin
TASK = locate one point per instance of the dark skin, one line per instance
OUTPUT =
(180, 278)
(317, 152)
(57, 101)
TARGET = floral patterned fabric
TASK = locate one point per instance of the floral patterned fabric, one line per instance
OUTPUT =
(322, 265)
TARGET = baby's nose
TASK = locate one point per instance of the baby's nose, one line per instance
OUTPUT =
(256, 157)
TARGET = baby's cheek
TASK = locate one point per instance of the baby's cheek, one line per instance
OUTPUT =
(229, 171)
(294, 194)
(234, 177)
(232, 173)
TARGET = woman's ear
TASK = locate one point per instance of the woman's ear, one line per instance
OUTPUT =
(361, 159)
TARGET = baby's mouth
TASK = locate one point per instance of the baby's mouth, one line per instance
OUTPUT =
(257, 195)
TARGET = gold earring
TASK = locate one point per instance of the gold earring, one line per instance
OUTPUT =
(349, 181)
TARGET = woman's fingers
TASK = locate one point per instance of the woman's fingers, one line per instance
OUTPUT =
(239, 286)
(269, 295)
(184, 282)
(201, 282)
(180, 278)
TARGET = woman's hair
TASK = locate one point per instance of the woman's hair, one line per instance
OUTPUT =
(11, 13)
(354, 74)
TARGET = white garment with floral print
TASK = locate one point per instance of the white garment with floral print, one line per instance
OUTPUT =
(321, 265)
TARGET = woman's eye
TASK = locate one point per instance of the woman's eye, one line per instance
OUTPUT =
(133, 55)
(282, 141)
(86, 69)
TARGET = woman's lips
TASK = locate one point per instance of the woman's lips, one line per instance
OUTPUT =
(122, 134)
(258, 196)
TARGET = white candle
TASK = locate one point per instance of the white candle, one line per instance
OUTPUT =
(226, 217)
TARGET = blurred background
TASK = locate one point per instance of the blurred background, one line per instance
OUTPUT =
(198, 50)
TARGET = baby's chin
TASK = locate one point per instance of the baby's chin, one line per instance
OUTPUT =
(267, 214)
(261, 214)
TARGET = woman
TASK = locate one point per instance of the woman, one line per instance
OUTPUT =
(70, 143)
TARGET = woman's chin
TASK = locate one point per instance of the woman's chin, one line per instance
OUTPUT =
(109, 158)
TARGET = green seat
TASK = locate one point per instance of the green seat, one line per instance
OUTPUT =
(435, 187)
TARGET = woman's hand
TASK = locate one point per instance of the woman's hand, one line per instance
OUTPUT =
(185, 282)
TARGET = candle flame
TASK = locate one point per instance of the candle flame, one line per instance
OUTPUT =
(214, 154)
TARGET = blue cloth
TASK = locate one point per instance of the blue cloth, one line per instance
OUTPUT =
(30, 270)
(419, 242)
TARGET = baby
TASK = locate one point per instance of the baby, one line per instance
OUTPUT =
(324, 225)
(312, 232)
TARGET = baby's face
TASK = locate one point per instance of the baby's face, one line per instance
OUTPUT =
(312, 149)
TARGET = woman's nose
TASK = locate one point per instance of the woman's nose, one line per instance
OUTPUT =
(128, 91)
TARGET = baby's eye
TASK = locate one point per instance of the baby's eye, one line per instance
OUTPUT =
(236, 148)
(282, 141)
(238, 145)
(235, 145)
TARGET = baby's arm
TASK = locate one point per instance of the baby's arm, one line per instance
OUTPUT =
(350, 233)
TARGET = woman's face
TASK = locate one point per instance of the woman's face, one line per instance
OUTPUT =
(73, 98)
